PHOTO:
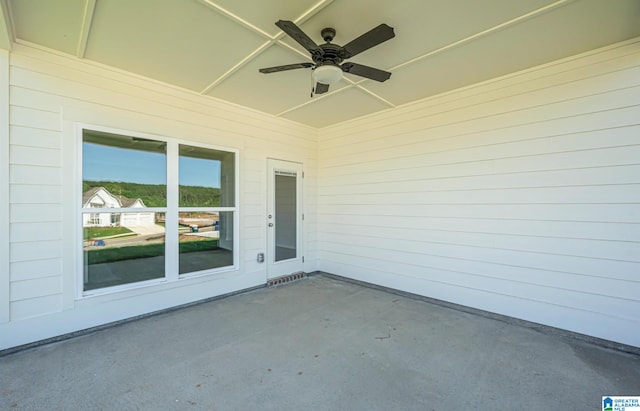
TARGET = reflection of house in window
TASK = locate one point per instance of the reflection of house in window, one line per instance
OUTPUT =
(100, 197)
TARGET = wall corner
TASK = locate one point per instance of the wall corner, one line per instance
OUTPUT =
(4, 188)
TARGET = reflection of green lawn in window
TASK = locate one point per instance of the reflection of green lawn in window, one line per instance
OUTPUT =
(100, 232)
(111, 266)
(130, 252)
(200, 245)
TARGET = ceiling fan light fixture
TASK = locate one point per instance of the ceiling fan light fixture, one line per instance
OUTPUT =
(327, 74)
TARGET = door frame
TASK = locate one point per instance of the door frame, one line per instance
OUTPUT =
(293, 265)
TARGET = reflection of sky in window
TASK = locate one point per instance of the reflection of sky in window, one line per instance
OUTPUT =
(104, 163)
(199, 172)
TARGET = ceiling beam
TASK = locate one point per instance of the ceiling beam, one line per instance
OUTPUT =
(235, 68)
(7, 20)
(374, 95)
(272, 39)
(313, 10)
(85, 29)
(483, 33)
(468, 39)
(315, 98)
(235, 18)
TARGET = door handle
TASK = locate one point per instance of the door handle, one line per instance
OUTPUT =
(270, 224)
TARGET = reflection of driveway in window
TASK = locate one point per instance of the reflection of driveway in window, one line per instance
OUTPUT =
(146, 229)
(207, 234)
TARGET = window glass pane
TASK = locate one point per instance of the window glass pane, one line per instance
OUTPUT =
(122, 248)
(286, 217)
(120, 171)
(206, 177)
(205, 240)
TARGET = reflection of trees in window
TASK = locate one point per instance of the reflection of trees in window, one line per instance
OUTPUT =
(153, 195)
(203, 196)
(125, 166)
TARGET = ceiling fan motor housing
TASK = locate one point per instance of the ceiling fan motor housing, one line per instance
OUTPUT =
(328, 34)
(332, 54)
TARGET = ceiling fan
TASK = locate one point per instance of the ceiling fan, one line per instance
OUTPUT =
(328, 58)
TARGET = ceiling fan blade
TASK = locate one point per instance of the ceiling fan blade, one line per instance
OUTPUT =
(298, 35)
(321, 88)
(285, 67)
(366, 71)
(369, 39)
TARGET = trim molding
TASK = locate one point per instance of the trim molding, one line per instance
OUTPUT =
(5, 279)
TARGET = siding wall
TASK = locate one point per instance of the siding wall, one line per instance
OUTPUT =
(49, 95)
(519, 196)
(4, 186)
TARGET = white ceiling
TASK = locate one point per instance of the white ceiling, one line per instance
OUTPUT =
(215, 47)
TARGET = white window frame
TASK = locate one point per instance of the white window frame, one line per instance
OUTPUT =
(171, 274)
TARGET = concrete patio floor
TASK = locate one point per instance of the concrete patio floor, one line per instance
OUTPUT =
(317, 344)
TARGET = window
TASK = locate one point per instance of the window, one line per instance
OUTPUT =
(94, 219)
(206, 196)
(154, 210)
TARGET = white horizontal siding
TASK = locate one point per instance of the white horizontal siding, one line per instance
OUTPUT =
(603, 213)
(568, 178)
(35, 118)
(35, 307)
(395, 239)
(454, 151)
(41, 230)
(35, 250)
(49, 95)
(27, 174)
(35, 156)
(36, 202)
(35, 194)
(33, 137)
(28, 270)
(520, 195)
(26, 213)
(4, 188)
(35, 287)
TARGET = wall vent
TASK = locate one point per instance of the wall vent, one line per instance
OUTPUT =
(285, 279)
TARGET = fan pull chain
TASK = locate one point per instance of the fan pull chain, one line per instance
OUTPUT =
(312, 85)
